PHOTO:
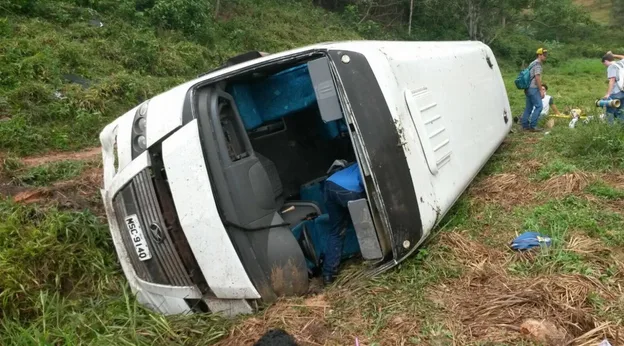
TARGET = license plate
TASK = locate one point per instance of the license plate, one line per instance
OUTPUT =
(137, 238)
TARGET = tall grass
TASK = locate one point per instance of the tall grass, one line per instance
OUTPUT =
(60, 284)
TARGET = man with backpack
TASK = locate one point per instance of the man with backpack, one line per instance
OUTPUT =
(615, 90)
(530, 80)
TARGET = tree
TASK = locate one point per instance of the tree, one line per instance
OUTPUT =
(409, 23)
(485, 19)
(617, 13)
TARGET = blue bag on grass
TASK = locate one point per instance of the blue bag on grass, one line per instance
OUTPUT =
(530, 240)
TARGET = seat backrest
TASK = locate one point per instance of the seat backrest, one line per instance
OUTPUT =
(274, 177)
(250, 186)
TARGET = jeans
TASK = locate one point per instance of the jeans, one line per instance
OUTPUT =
(533, 108)
(336, 199)
(616, 113)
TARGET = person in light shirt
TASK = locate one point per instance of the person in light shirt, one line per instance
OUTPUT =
(613, 90)
(548, 102)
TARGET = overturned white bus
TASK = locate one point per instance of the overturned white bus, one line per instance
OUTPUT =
(214, 189)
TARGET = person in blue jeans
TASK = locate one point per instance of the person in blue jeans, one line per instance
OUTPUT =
(613, 90)
(341, 187)
(534, 94)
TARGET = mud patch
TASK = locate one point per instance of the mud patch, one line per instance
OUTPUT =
(76, 194)
(91, 154)
(289, 280)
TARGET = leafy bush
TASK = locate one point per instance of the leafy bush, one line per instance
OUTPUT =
(193, 17)
(515, 47)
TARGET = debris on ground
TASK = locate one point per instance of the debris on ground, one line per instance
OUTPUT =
(96, 23)
(29, 196)
(276, 337)
(83, 82)
(543, 332)
(530, 240)
(59, 95)
(550, 123)
(76, 194)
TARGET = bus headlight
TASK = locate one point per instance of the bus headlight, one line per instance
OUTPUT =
(139, 125)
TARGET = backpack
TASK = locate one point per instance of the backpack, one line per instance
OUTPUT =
(620, 74)
(523, 81)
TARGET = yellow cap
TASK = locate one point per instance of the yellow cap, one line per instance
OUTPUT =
(541, 51)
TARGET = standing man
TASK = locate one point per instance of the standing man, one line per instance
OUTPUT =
(614, 92)
(340, 188)
(534, 93)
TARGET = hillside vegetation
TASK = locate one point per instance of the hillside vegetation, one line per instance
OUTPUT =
(63, 76)
(45, 44)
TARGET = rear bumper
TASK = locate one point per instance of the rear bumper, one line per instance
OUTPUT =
(188, 181)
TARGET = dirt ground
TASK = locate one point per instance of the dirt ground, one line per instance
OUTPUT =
(78, 193)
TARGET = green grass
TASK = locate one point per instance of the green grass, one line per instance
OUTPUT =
(605, 191)
(555, 168)
(594, 146)
(127, 60)
(49, 173)
(559, 217)
(60, 283)
(560, 220)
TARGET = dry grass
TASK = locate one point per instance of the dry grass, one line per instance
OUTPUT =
(471, 253)
(337, 317)
(529, 167)
(567, 184)
(507, 189)
(304, 319)
(616, 180)
(596, 252)
(487, 304)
